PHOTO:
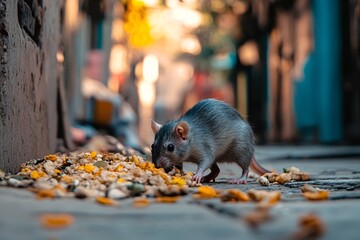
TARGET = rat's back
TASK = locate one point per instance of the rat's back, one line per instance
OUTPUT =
(212, 114)
(217, 125)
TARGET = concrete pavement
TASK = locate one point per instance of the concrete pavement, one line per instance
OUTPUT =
(204, 219)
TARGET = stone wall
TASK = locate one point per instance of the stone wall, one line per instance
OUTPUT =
(29, 40)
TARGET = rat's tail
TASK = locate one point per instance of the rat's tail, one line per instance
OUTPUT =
(257, 168)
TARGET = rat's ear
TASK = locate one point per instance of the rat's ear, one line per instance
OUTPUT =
(182, 129)
(155, 126)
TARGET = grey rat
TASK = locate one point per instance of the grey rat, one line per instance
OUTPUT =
(210, 132)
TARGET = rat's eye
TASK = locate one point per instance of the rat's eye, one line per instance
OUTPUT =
(170, 147)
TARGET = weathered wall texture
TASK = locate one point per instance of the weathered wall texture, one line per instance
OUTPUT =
(29, 40)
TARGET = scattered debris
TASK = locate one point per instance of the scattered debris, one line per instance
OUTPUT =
(310, 227)
(166, 199)
(263, 181)
(56, 220)
(312, 193)
(290, 174)
(141, 202)
(106, 201)
(257, 217)
(234, 195)
(264, 198)
(205, 192)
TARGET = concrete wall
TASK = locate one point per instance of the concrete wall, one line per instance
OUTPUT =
(29, 40)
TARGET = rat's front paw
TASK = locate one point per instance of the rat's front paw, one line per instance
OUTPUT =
(197, 178)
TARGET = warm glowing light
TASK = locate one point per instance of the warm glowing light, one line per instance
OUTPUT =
(190, 44)
(151, 3)
(72, 13)
(117, 63)
(146, 93)
(117, 32)
(150, 68)
(172, 3)
(190, 18)
(248, 53)
(60, 56)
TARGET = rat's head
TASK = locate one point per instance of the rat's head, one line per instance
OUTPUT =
(171, 144)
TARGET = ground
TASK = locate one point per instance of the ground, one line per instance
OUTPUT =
(336, 169)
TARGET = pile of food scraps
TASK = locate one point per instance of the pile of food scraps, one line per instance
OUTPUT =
(96, 175)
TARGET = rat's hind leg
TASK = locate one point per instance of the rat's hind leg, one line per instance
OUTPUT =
(242, 179)
(214, 172)
(243, 162)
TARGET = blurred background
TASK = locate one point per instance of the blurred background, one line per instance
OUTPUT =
(290, 67)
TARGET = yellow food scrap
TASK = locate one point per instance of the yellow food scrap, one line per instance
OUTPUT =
(167, 199)
(81, 168)
(93, 154)
(51, 157)
(121, 180)
(105, 201)
(119, 168)
(67, 179)
(25, 170)
(57, 172)
(135, 160)
(147, 166)
(89, 168)
(205, 192)
(35, 174)
(178, 181)
(56, 220)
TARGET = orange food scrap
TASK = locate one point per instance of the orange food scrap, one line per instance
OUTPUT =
(205, 192)
(141, 202)
(89, 168)
(234, 195)
(56, 220)
(313, 193)
(316, 196)
(57, 172)
(264, 198)
(167, 199)
(310, 227)
(51, 157)
(257, 217)
(105, 201)
(283, 178)
(45, 193)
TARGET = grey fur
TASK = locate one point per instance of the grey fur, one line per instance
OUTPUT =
(217, 133)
